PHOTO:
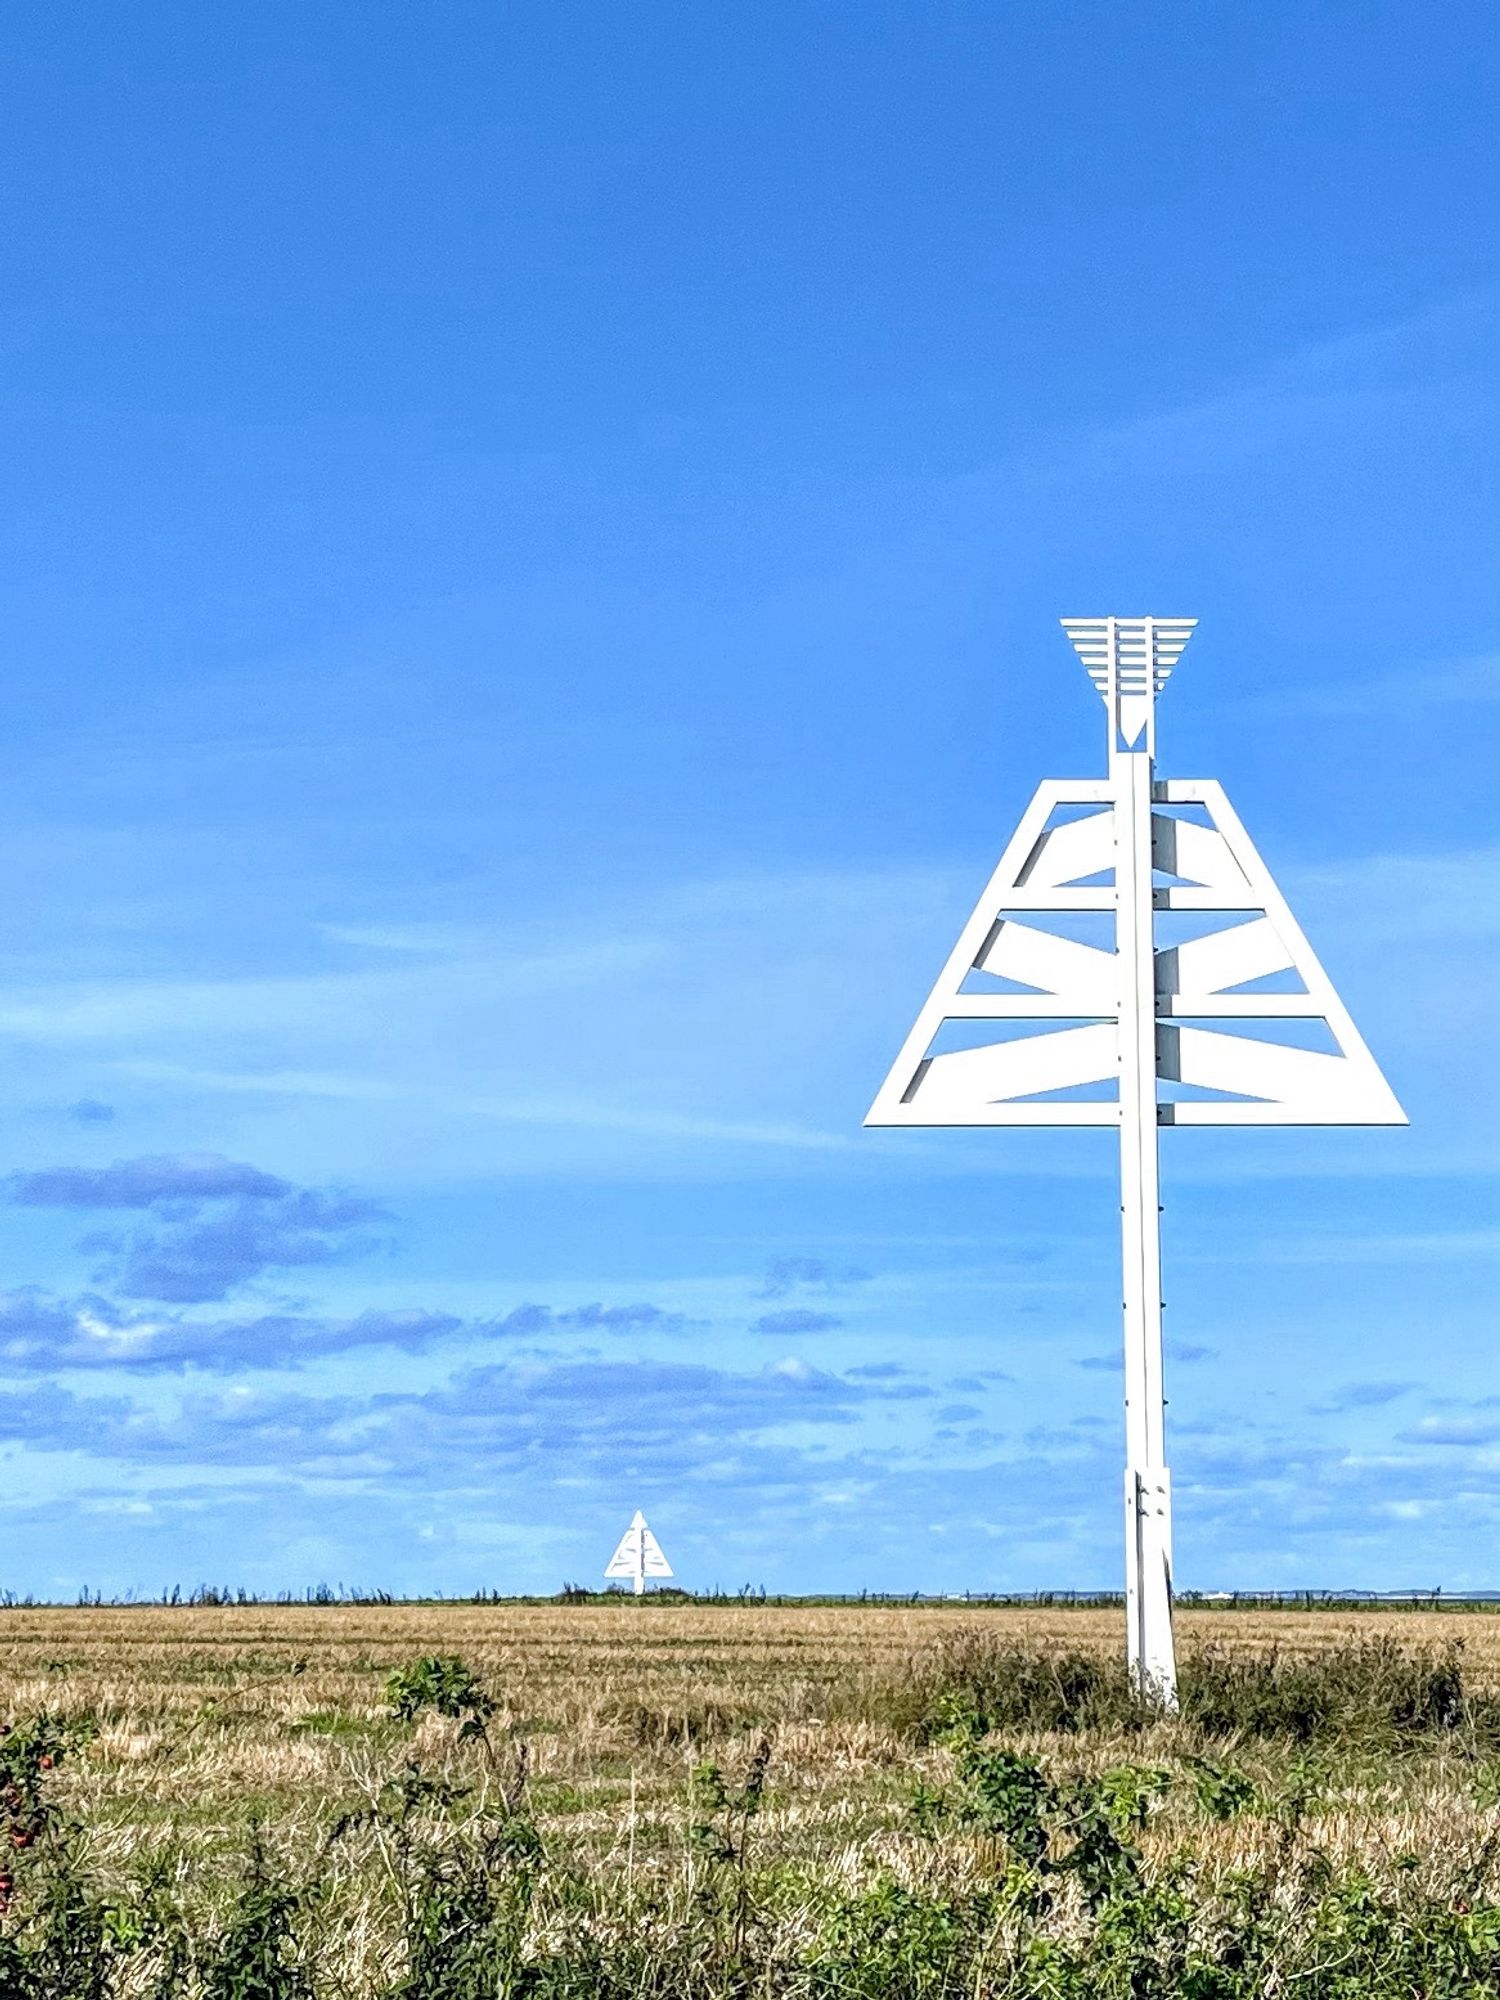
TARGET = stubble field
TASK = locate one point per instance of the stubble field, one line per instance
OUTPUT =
(618, 1798)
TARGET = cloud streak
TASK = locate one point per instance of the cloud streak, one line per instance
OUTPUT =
(1360, 1396)
(147, 1182)
(795, 1320)
(39, 1332)
(787, 1275)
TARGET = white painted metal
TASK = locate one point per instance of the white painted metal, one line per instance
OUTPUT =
(638, 1555)
(1148, 1514)
(1043, 870)
(1205, 978)
(1129, 1011)
(1129, 661)
(1076, 849)
(1081, 973)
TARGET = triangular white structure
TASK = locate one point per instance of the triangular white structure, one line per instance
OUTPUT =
(1024, 958)
(639, 1555)
(1132, 963)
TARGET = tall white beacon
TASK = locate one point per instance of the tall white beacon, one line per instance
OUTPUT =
(638, 1556)
(1064, 1004)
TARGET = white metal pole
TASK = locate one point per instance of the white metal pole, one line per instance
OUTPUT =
(1148, 1493)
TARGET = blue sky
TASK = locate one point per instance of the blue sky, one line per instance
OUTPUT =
(533, 543)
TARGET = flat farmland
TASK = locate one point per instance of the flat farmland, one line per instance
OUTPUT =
(636, 1797)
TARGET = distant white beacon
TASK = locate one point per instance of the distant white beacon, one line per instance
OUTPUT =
(639, 1555)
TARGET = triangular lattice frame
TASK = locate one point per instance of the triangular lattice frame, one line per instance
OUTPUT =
(1072, 991)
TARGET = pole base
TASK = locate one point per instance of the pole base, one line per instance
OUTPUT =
(1148, 1595)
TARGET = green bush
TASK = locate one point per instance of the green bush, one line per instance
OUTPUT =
(1377, 1692)
(1373, 1691)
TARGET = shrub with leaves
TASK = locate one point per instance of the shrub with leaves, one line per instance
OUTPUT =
(1222, 1793)
(255, 1956)
(445, 1685)
(723, 1812)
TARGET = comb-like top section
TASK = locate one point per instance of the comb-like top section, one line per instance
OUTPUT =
(1129, 660)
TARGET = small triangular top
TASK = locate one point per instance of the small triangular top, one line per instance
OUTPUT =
(1129, 660)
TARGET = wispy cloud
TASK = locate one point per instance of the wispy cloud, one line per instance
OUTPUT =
(142, 1183)
(1113, 1362)
(1452, 1430)
(41, 1333)
(794, 1320)
(785, 1275)
(1360, 1396)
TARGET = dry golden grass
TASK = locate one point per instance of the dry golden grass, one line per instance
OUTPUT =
(219, 1724)
(213, 1717)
